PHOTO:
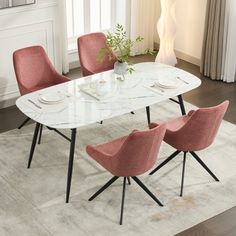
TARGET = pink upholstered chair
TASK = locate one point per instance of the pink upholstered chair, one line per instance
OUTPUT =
(89, 46)
(129, 156)
(193, 132)
(34, 71)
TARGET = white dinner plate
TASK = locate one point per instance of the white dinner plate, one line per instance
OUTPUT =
(170, 83)
(51, 98)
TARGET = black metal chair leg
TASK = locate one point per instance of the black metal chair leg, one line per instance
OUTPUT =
(146, 190)
(204, 166)
(181, 103)
(165, 162)
(33, 144)
(122, 202)
(183, 171)
(24, 122)
(40, 134)
(129, 182)
(112, 180)
(70, 165)
(148, 114)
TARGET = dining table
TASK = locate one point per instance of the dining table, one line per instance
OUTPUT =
(102, 96)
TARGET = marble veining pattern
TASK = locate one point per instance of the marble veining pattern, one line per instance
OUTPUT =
(119, 97)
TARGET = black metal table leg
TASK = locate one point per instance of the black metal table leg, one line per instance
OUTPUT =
(37, 126)
(70, 165)
(148, 114)
(181, 103)
(40, 134)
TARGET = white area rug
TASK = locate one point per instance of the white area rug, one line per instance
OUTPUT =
(32, 201)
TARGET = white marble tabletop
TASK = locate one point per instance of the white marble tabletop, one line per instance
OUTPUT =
(112, 97)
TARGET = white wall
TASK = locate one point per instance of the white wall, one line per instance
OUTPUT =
(190, 20)
(24, 26)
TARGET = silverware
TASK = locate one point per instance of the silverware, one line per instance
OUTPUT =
(155, 85)
(141, 97)
(35, 104)
(182, 80)
(154, 89)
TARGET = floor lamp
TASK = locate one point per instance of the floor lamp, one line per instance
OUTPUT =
(166, 28)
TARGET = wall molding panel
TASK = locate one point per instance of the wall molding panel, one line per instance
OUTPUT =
(22, 27)
(33, 7)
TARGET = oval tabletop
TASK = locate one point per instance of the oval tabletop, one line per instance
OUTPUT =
(105, 95)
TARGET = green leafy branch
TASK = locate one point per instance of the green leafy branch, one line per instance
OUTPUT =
(120, 45)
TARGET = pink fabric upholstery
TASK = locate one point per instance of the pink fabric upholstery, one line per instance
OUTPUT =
(197, 130)
(89, 46)
(130, 155)
(34, 70)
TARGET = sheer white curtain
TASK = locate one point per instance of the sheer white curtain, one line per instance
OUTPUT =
(63, 35)
(229, 53)
(142, 23)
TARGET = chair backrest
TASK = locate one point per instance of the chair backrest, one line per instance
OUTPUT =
(139, 152)
(201, 128)
(33, 69)
(89, 46)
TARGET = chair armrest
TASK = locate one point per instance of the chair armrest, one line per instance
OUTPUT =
(153, 125)
(92, 151)
(102, 158)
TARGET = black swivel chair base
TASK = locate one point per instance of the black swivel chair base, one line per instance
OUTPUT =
(196, 157)
(113, 179)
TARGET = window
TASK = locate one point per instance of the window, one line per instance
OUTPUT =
(85, 16)
(14, 3)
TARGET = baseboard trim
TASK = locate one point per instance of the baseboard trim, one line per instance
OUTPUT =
(73, 59)
(187, 58)
(183, 56)
(73, 65)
